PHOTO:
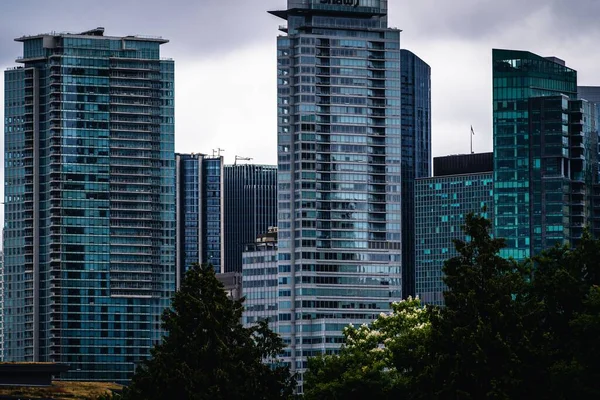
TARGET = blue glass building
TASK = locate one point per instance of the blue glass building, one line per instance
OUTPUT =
(461, 185)
(339, 180)
(250, 208)
(89, 236)
(200, 205)
(416, 152)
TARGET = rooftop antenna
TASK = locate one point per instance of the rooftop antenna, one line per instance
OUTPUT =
(217, 152)
(240, 158)
(472, 134)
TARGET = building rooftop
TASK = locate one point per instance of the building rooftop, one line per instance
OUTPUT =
(462, 164)
(97, 32)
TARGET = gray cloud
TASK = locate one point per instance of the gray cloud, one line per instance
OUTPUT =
(204, 28)
(200, 28)
(477, 19)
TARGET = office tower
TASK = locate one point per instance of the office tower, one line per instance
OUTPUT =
(416, 152)
(518, 76)
(563, 147)
(259, 280)
(250, 208)
(592, 94)
(89, 240)
(339, 142)
(200, 205)
(461, 184)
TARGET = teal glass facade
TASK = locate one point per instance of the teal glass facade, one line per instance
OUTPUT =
(89, 237)
(517, 77)
(441, 205)
(339, 179)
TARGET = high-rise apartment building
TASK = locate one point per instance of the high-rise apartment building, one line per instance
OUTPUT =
(416, 152)
(339, 179)
(89, 239)
(259, 280)
(200, 205)
(564, 155)
(517, 77)
(461, 184)
(250, 193)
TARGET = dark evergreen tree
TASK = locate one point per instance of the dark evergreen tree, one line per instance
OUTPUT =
(564, 289)
(207, 353)
(479, 339)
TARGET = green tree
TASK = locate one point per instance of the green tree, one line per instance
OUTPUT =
(479, 340)
(376, 360)
(586, 346)
(564, 287)
(207, 353)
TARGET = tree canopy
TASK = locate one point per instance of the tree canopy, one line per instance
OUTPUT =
(207, 353)
(366, 365)
(508, 330)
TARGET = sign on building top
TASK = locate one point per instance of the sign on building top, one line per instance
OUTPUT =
(350, 3)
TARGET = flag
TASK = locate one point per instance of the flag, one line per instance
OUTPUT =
(472, 131)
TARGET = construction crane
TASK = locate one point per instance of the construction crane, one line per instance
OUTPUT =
(240, 158)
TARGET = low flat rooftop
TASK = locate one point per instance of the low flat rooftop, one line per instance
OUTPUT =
(61, 390)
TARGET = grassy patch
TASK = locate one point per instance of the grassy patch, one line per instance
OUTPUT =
(61, 390)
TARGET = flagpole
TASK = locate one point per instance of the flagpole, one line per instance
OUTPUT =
(472, 134)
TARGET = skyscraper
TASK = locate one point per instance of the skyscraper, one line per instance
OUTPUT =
(250, 208)
(200, 205)
(517, 77)
(416, 152)
(220, 208)
(339, 180)
(592, 94)
(461, 184)
(89, 238)
(564, 153)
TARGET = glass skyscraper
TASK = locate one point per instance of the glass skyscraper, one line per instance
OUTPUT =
(221, 208)
(416, 152)
(517, 77)
(592, 94)
(200, 205)
(461, 184)
(564, 154)
(89, 236)
(250, 208)
(339, 180)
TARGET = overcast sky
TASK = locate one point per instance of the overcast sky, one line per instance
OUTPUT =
(225, 57)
